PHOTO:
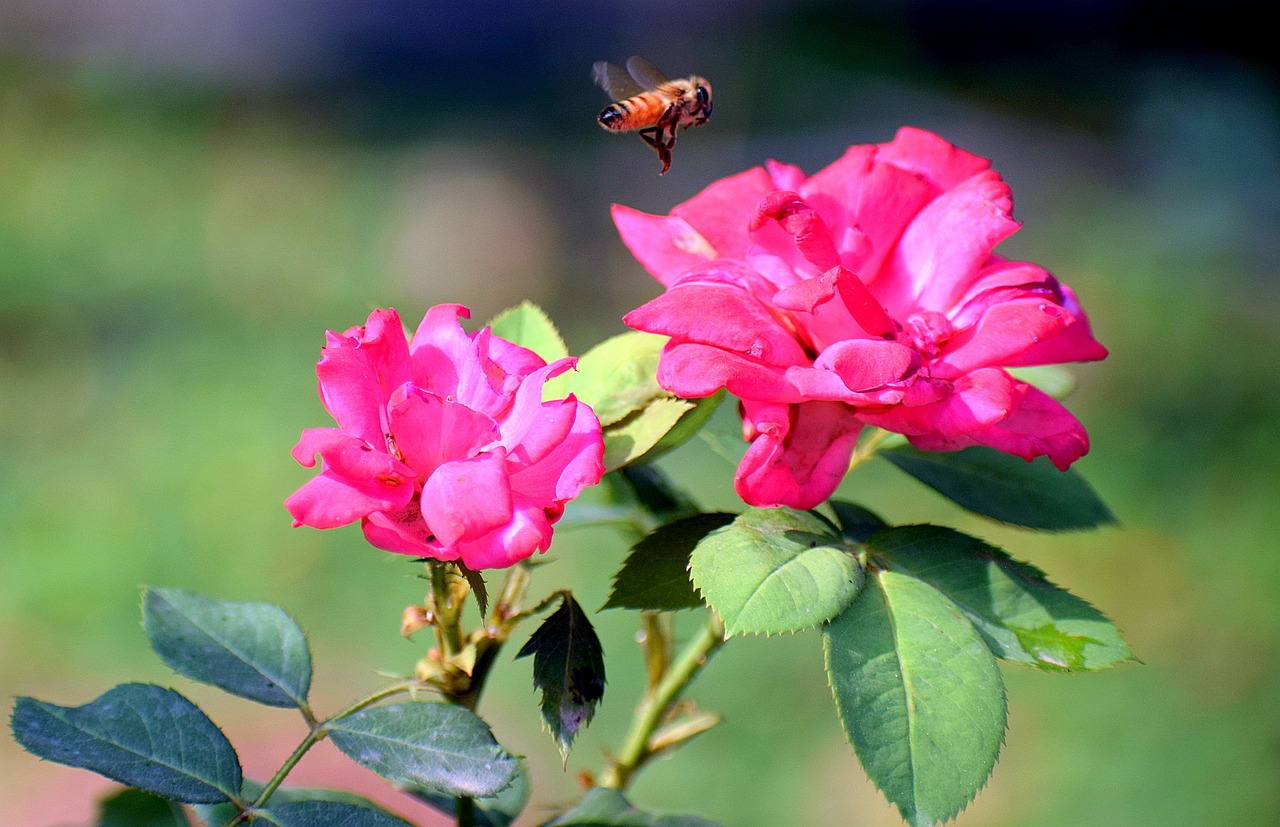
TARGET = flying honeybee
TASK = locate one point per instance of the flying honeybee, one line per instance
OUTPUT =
(647, 101)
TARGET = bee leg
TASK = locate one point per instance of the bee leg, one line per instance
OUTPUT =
(655, 136)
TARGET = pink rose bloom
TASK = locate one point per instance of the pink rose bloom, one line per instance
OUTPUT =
(866, 294)
(444, 447)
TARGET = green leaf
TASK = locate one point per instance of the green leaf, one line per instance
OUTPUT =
(568, 666)
(528, 325)
(649, 488)
(1055, 380)
(216, 815)
(919, 695)
(1022, 616)
(655, 575)
(141, 735)
(775, 570)
(491, 811)
(476, 581)
(856, 523)
(426, 746)
(602, 807)
(696, 414)
(135, 808)
(254, 650)
(633, 437)
(1007, 488)
(332, 814)
(616, 377)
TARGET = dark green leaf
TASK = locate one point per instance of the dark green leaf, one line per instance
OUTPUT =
(134, 808)
(568, 667)
(216, 815)
(602, 807)
(655, 575)
(527, 325)
(775, 570)
(1013, 605)
(254, 650)
(856, 523)
(476, 581)
(919, 695)
(141, 735)
(426, 746)
(1007, 488)
(492, 811)
(332, 814)
(652, 490)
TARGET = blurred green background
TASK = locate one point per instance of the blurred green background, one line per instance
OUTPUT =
(190, 194)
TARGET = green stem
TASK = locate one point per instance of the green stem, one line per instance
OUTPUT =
(654, 706)
(318, 732)
(867, 447)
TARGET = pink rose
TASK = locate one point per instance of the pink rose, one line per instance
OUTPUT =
(867, 294)
(444, 447)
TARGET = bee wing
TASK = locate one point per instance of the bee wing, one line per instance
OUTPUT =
(645, 73)
(613, 79)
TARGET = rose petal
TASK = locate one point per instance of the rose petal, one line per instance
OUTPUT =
(467, 498)
(799, 453)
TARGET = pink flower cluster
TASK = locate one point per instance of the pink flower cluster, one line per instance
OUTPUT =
(444, 447)
(866, 294)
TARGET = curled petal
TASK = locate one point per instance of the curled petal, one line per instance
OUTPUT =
(802, 222)
(723, 316)
(369, 474)
(977, 400)
(693, 370)
(1039, 426)
(866, 364)
(932, 158)
(799, 453)
(1005, 333)
(715, 213)
(358, 371)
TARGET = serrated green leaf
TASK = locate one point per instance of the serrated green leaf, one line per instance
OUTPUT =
(616, 377)
(1022, 616)
(1007, 488)
(696, 414)
(426, 746)
(919, 696)
(568, 668)
(602, 807)
(655, 575)
(528, 325)
(775, 570)
(332, 814)
(135, 808)
(631, 438)
(254, 650)
(141, 735)
(492, 811)
(856, 523)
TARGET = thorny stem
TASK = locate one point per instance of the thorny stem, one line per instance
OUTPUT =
(654, 707)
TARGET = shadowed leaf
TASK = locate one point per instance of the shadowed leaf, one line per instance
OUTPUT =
(568, 667)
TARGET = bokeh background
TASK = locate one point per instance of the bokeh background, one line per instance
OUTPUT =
(191, 193)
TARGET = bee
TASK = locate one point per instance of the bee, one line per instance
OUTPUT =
(647, 101)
